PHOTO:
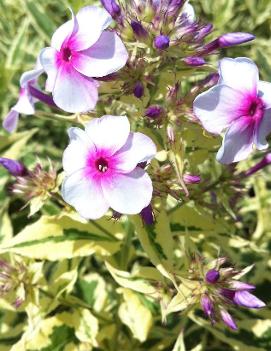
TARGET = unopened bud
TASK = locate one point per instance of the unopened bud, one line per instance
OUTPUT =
(154, 112)
(191, 179)
(138, 29)
(15, 168)
(138, 90)
(194, 61)
(161, 42)
(231, 39)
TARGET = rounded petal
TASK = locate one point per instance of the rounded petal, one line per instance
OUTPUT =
(48, 58)
(138, 148)
(76, 153)
(265, 93)
(218, 107)
(262, 131)
(25, 103)
(85, 196)
(109, 132)
(64, 32)
(238, 142)
(73, 92)
(92, 20)
(128, 193)
(30, 76)
(246, 299)
(240, 74)
(11, 121)
(108, 55)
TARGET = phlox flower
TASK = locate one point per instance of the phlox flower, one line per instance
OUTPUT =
(240, 106)
(26, 101)
(102, 172)
(81, 49)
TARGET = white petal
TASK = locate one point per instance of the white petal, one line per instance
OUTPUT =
(108, 55)
(128, 193)
(92, 20)
(75, 155)
(138, 148)
(240, 74)
(48, 58)
(25, 103)
(29, 76)
(74, 92)
(218, 107)
(64, 32)
(109, 132)
(238, 142)
(189, 12)
(11, 120)
(84, 195)
(265, 93)
(262, 131)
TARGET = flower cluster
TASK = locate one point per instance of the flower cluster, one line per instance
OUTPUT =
(133, 153)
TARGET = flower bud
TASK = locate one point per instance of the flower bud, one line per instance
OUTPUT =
(154, 111)
(147, 215)
(112, 7)
(207, 305)
(138, 90)
(138, 29)
(228, 320)
(246, 299)
(194, 61)
(15, 168)
(212, 276)
(161, 42)
(170, 134)
(191, 179)
(231, 39)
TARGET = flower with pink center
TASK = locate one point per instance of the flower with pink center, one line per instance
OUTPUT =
(80, 50)
(102, 172)
(26, 101)
(240, 106)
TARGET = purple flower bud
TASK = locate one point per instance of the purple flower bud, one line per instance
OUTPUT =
(245, 299)
(191, 179)
(154, 111)
(260, 165)
(236, 285)
(204, 31)
(194, 61)
(228, 320)
(207, 306)
(15, 168)
(212, 276)
(147, 215)
(161, 42)
(231, 39)
(112, 7)
(138, 29)
(138, 90)
(227, 293)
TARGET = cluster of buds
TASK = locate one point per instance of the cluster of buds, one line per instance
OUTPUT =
(33, 186)
(222, 290)
(12, 279)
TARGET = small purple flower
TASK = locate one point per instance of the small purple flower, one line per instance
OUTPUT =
(161, 42)
(228, 320)
(154, 111)
(138, 29)
(138, 90)
(194, 61)
(15, 168)
(112, 7)
(212, 276)
(240, 105)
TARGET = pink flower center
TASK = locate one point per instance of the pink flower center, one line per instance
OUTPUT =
(256, 108)
(66, 54)
(101, 165)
